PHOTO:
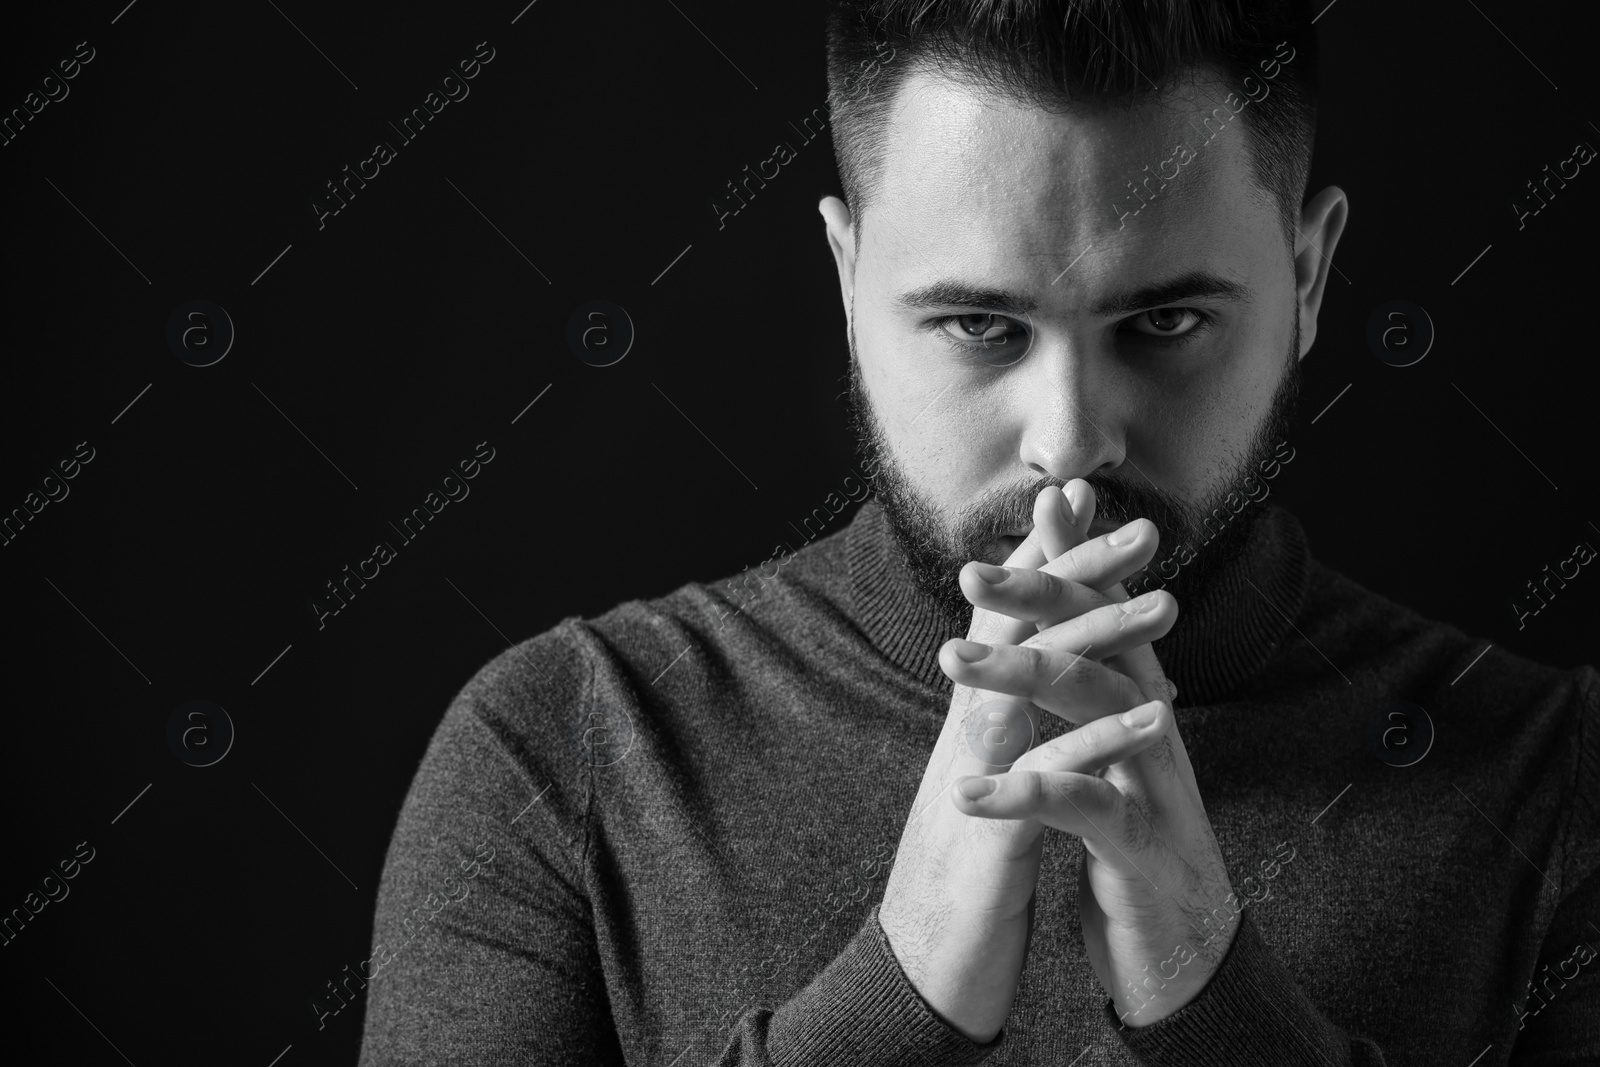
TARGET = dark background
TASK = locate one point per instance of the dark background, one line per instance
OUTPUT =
(378, 351)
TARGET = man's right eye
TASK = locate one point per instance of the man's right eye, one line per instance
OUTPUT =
(996, 339)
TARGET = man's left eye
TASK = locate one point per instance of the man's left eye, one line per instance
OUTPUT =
(1168, 322)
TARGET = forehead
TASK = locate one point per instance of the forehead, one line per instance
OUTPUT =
(972, 179)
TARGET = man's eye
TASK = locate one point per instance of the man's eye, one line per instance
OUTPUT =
(1169, 322)
(984, 330)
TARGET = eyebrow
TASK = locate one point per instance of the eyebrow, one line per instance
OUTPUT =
(1194, 285)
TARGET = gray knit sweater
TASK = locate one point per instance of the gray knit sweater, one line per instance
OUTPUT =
(661, 836)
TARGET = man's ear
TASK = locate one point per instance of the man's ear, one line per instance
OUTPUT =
(842, 240)
(1321, 222)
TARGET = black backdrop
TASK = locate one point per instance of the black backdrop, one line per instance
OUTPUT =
(373, 354)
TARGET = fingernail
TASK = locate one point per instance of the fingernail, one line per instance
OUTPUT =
(971, 651)
(1143, 715)
(1140, 605)
(990, 573)
(974, 788)
(1121, 536)
(1066, 509)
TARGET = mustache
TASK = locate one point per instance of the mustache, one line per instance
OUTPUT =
(1115, 501)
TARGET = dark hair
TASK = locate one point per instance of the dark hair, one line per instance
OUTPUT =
(1061, 54)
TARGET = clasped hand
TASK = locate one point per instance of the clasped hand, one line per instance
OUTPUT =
(1055, 628)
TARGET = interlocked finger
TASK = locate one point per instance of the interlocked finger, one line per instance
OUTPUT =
(1061, 680)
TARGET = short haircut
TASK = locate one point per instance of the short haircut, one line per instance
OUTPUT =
(1062, 55)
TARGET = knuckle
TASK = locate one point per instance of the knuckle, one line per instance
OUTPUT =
(1063, 592)
(1108, 616)
(1049, 587)
(1030, 658)
(1073, 749)
(1059, 787)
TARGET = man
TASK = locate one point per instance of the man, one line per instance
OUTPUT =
(738, 824)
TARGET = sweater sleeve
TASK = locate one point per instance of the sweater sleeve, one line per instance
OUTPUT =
(483, 941)
(1560, 1023)
(1252, 1011)
(484, 944)
(860, 1009)
(1560, 1028)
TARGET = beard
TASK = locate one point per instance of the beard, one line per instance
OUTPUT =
(934, 550)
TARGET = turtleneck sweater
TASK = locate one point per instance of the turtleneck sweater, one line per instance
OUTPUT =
(661, 836)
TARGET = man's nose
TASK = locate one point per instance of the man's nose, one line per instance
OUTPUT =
(1070, 423)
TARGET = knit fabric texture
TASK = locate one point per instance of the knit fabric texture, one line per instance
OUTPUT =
(661, 836)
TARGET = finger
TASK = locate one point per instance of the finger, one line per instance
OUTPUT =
(1079, 804)
(1062, 681)
(1049, 786)
(1106, 560)
(1045, 596)
(985, 626)
(1099, 743)
(1053, 518)
(1068, 800)
(1081, 495)
(1035, 596)
(1159, 771)
(1139, 664)
(995, 626)
(1110, 629)
(1028, 554)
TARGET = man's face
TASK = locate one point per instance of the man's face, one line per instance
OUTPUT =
(1006, 334)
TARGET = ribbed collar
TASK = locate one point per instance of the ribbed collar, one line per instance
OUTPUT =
(1222, 637)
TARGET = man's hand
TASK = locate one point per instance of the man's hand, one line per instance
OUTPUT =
(1153, 895)
(957, 909)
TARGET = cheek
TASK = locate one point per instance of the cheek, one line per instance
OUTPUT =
(921, 410)
(1200, 424)
(1249, 378)
(977, 438)
(951, 438)
(1174, 430)
(895, 369)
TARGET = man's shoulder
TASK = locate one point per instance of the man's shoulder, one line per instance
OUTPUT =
(1519, 735)
(1424, 658)
(562, 701)
(638, 642)
(551, 676)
